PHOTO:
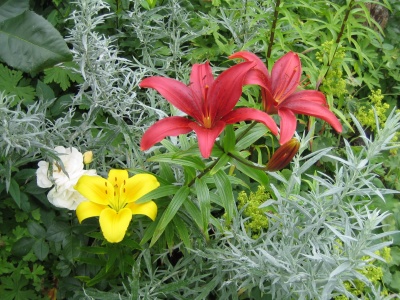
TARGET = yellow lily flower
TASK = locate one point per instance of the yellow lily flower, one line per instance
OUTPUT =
(113, 200)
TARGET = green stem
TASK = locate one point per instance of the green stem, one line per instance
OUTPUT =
(204, 172)
(273, 27)
(337, 41)
(245, 162)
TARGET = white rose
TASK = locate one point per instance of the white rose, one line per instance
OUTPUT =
(63, 194)
(41, 175)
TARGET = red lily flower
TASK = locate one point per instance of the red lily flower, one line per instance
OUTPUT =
(209, 102)
(279, 93)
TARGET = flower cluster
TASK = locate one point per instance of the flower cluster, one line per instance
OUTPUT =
(63, 177)
(210, 102)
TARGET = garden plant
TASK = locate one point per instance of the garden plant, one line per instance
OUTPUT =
(206, 149)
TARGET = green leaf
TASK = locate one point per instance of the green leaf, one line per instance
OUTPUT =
(170, 212)
(160, 192)
(15, 192)
(203, 195)
(224, 189)
(30, 43)
(222, 163)
(41, 249)
(10, 84)
(172, 158)
(36, 230)
(229, 139)
(22, 246)
(258, 175)
(12, 8)
(63, 75)
(252, 136)
(182, 230)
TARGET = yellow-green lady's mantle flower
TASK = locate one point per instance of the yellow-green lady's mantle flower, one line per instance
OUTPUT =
(113, 200)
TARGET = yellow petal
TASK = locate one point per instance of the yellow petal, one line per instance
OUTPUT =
(139, 185)
(95, 189)
(148, 209)
(114, 224)
(117, 177)
(88, 209)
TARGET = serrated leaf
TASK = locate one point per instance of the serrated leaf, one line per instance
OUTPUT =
(41, 249)
(22, 246)
(36, 230)
(63, 75)
(12, 8)
(170, 212)
(9, 83)
(30, 43)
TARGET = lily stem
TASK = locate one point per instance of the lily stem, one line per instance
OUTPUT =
(337, 41)
(273, 27)
(204, 172)
(245, 162)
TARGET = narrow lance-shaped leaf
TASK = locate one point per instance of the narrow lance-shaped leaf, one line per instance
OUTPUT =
(170, 212)
(30, 43)
(224, 189)
(203, 195)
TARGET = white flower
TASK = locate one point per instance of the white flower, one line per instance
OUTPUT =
(63, 193)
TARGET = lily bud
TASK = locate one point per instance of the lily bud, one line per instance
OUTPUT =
(87, 157)
(282, 157)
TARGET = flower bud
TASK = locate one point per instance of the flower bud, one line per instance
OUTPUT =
(87, 157)
(282, 157)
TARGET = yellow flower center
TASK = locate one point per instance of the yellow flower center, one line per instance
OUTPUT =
(118, 201)
(207, 122)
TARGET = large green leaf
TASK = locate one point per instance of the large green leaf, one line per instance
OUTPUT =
(30, 43)
(12, 8)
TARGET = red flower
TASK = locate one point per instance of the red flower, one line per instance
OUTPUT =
(209, 102)
(279, 93)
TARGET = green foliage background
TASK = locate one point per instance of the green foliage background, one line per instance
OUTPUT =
(85, 94)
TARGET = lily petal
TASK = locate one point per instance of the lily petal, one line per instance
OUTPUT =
(95, 189)
(303, 103)
(247, 114)
(201, 78)
(139, 185)
(148, 209)
(114, 224)
(251, 57)
(171, 126)
(226, 90)
(89, 209)
(207, 136)
(175, 92)
(288, 125)
(285, 76)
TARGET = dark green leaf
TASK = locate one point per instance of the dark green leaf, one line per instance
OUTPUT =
(258, 175)
(22, 246)
(12, 8)
(15, 192)
(41, 249)
(30, 43)
(36, 230)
